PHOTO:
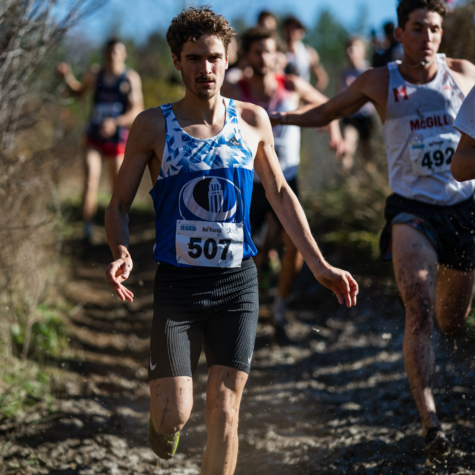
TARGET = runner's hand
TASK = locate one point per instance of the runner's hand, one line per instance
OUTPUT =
(336, 141)
(276, 118)
(340, 282)
(63, 69)
(108, 127)
(116, 273)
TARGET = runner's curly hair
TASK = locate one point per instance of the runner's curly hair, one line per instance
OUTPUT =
(193, 23)
(406, 7)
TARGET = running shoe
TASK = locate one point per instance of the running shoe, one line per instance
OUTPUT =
(437, 446)
(163, 446)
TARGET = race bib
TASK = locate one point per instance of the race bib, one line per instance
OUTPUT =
(433, 154)
(209, 244)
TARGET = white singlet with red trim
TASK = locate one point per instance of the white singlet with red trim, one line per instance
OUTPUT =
(420, 138)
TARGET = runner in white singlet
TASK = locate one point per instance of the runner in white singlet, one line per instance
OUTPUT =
(302, 59)
(430, 217)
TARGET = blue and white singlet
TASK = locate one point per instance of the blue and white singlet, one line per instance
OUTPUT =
(203, 195)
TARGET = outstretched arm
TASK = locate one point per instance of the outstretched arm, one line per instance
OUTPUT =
(292, 216)
(346, 103)
(76, 88)
(463, 161)
(138, 153)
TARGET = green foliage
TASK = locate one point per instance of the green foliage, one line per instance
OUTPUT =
(328, 37)
(23, 385)
(157, 92)
(350, 216)
(44, 334)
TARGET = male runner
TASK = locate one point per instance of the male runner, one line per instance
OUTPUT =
(200, 152)
(429, 217)
(117, 101)
(463, 161)
(358, 127)
(276, 92)
(302, 59)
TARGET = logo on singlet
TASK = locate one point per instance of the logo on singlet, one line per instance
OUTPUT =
(400, 93)
(211, 198)
(233, 141)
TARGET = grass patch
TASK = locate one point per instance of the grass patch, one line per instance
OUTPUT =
(23, 384)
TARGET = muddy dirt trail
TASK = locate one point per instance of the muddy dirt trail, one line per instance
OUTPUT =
(334, 402)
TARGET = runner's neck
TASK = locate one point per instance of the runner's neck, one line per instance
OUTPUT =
(192, 110)
(417, 73)
(114, 69)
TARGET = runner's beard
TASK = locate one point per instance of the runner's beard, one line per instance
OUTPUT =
(193, 86)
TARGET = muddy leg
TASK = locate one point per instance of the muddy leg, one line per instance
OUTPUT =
(415, 266)
(223, 398)
(171, 403)
(453, 299)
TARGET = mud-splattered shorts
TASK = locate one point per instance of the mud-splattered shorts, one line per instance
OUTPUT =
(203, 306)
(450, 229)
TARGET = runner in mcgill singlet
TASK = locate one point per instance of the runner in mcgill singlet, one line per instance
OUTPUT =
(201, 152)
(276, 92)
(430, 217)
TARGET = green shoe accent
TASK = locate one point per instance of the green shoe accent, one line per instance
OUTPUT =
(163, 446)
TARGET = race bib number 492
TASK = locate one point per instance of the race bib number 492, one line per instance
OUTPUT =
(209, 244)
(433, 154)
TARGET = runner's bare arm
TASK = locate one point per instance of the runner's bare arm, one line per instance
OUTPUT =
(135, 101)
(346, 103)
(139, 151)
(77, 88)
(463, 161)
(321, 76)
(291, 214)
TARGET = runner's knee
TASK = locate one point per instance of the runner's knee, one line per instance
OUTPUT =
(419, 315)
(221, 414)
(169, 420)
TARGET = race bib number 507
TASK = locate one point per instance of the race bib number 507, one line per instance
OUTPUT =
(209, 244)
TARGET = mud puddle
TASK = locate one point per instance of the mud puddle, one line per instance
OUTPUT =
(334, 402)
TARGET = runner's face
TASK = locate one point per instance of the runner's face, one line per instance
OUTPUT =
(421, 36)
(356, 53)
(116, 55)
(262, 56)
(202, 66)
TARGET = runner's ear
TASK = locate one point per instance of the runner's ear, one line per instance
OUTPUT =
(176, 62)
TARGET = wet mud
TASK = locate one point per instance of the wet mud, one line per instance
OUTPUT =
(334, 402)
